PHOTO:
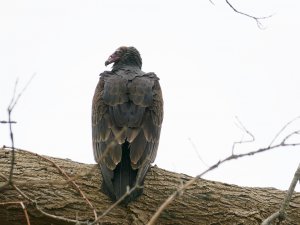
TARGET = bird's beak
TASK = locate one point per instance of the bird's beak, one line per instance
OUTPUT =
(113, 58)
(107, 62)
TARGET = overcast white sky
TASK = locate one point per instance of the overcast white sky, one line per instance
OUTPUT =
(213, 63)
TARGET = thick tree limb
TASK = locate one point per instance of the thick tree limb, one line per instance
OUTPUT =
(204, 202)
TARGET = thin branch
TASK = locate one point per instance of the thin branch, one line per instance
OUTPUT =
(109, 146)
(283, 128)
(257, 19)
(68, 178)
(271, 218)
(180, 190)
(60, 218)
(245, 130)
(281, 214)
(197, 152)
(291, 190)
(34, 202)
(25, 212)
(12, 104)
(13, 148)
(14, 101)
(14, 94)
(98, 219)
(4, 121)
(23, 207)
(290, 135)
(128, 192)
(115, 204)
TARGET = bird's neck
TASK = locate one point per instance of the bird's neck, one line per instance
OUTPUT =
(120, 66)
(130, 61)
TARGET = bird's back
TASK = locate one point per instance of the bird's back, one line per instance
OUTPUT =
(126, 115)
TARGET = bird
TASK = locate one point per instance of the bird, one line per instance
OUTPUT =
(127, 115)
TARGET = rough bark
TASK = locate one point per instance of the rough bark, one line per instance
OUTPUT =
(205, 202)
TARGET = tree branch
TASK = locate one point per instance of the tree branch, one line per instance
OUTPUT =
(242, 141)
(281, 214)
(181, 189)
(204, 202)
(12, 104)
(257, 19)
(282, 129)
(23, 207)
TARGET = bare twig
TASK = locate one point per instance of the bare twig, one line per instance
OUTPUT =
(271, 218)
(257, 19)
(14, 94)
(281, 214)
(197, 152)
(72, 180)
(12, 104)
(128, 192)
(109, 146)
(181, 189)
(211, 2)
(60, 218)
(115, 204)
(243, 128)
(283, 128)
(97, 219)
(14, 100)
(9, 181)
(34, 202)
(13, 147)
(290, 135)
(68, 180)
(4, 121)
(25, 212)
(23, 207)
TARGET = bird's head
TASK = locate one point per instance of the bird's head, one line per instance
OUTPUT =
(125, 56)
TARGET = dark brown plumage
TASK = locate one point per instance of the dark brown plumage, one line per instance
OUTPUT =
(127, 114)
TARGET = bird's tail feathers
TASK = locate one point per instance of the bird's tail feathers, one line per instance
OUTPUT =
(125, 177)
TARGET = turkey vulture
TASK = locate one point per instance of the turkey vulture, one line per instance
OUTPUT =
(127, 114)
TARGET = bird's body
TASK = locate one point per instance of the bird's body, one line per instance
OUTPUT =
(127, 114)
